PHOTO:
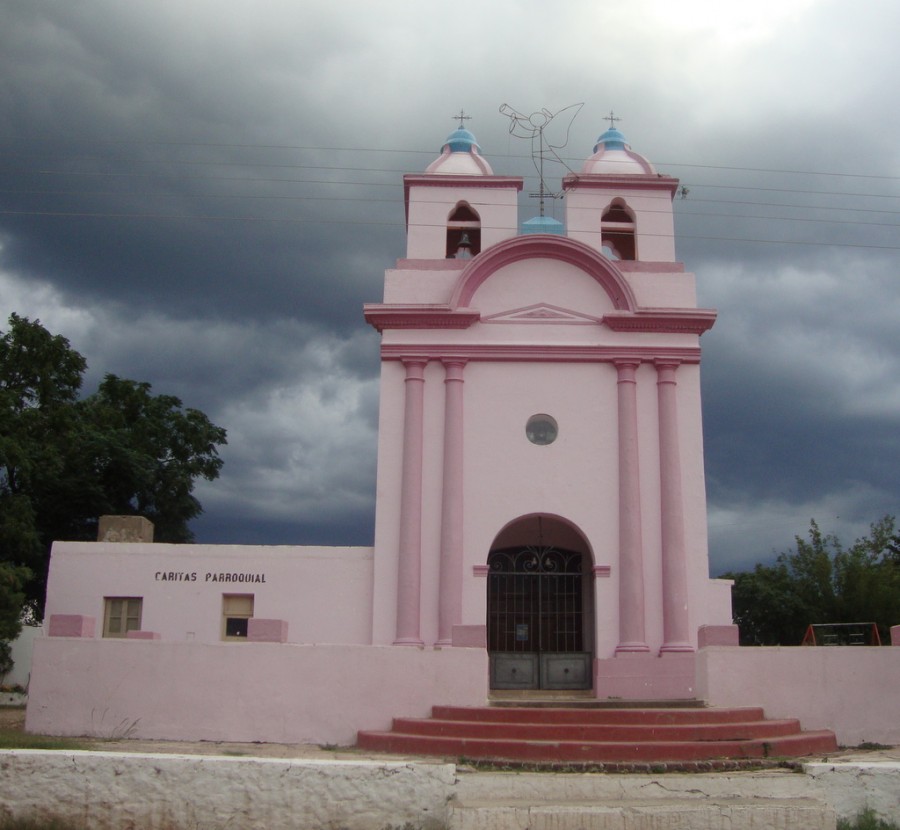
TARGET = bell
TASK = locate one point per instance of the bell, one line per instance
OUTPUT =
(464, 249)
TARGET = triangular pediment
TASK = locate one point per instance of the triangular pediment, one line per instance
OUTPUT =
(541, 313)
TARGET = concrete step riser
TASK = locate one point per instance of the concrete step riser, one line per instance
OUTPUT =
(734, 815)
(582, 752)
(598, 716)
(597, 732)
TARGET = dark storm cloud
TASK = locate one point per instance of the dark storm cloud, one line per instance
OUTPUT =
(203, 195)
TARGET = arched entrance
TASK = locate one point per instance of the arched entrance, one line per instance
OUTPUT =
(540, 608)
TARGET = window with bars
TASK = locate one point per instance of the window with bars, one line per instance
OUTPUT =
(121, 615)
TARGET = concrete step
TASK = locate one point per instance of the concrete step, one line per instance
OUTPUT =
(594, 732)
(645, 715)
(592, 752)
(775, 800)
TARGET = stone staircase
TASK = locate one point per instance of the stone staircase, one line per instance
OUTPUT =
(651, 738)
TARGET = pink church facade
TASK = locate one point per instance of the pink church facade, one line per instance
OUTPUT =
(540, 505)
(595, 335)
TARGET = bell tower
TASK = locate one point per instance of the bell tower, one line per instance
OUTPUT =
(619, 205)
(458, 196)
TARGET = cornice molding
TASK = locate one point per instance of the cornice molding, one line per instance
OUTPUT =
(539, 354)
(658, 321)
(383, 316)
(458, 180)
(663, 320)
(620, 181)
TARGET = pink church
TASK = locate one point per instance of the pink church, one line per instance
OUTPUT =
(540, 507)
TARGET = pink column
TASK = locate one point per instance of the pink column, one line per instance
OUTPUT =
(409, 565)
(450, 598)
(676, 634)
(631, 552)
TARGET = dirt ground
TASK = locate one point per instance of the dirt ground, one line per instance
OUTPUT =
(13, 717)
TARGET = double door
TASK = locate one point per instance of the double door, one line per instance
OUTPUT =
(536, 619)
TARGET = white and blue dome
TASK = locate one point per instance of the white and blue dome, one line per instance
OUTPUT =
(460, 156)
(613, 156)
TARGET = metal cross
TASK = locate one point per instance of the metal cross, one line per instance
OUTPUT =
(611, 118)
(462, 117)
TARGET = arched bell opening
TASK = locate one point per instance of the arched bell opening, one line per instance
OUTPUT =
(618, 229)
(540, 606)
(463, 232)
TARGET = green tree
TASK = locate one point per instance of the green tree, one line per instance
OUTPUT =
(820, 581)
(66, 460)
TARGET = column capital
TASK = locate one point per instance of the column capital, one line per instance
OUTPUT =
(415, 367)
(667, 362)
(453, 367)
(627, 369)
(665, 370)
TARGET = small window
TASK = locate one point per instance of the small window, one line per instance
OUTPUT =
(237, 609)
(121, 615)
(541, 429)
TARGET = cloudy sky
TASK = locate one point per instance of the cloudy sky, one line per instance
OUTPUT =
(203, 194)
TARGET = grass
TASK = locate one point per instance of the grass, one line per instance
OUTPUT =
(866, 820)
(16, 739)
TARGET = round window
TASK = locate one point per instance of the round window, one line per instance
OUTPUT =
(541, 429)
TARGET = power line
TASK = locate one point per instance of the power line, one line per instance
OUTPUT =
(411, 151)
(384, 200)
(315, 221)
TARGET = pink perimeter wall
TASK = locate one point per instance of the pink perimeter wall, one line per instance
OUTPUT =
(267, 692)
(849, 689)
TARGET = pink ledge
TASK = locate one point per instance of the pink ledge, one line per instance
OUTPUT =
(895, 635)
(143, 635)
(469, 636)
(602, 570)
(267, 631)
(71, 625)
(718, 635)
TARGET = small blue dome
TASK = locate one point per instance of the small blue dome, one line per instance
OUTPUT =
(543, 224)
(612, 139)
(461, 141)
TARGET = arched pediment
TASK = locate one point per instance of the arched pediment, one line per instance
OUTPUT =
(544, 246)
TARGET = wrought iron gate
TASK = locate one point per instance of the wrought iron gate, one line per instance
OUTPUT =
(536, 619)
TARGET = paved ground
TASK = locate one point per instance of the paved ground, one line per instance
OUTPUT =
(14, 718)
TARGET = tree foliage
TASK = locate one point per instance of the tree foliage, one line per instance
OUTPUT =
(821, 581)
(65, 460)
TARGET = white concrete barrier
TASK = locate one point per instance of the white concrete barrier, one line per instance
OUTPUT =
(111, 790)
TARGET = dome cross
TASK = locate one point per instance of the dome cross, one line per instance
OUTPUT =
(462, 117)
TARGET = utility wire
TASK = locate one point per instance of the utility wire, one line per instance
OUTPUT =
(431, 152)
